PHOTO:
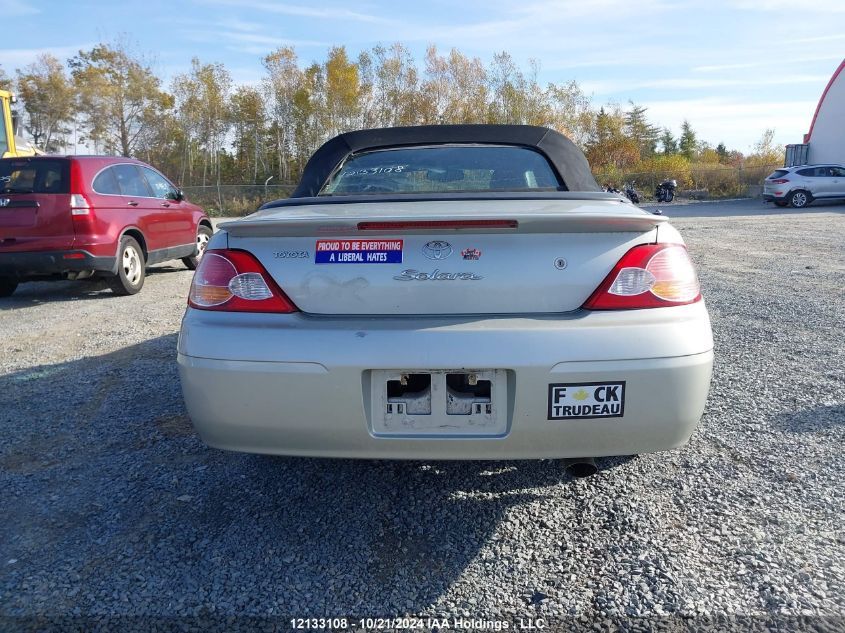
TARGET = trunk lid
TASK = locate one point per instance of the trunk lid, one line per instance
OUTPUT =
(35, 203)
(557, 254)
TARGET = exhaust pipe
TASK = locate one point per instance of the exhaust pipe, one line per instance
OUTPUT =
(580, 466)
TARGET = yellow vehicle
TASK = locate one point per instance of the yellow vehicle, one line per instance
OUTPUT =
(11, 144)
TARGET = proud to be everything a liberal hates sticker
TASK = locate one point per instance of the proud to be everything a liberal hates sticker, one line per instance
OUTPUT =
(579, 400)
(358, 252)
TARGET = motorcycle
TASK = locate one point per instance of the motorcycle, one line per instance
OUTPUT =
(632, 194)
(665, 191)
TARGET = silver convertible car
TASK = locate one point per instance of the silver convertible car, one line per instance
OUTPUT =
(447, 292)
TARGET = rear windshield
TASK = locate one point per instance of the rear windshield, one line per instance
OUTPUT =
(440, 169)
(778, 173)
(21, 175)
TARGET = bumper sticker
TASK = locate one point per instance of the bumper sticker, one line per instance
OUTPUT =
(358, 252)
(581, 400)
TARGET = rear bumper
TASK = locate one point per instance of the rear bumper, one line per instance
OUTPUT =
(296, 385)
(25, 264)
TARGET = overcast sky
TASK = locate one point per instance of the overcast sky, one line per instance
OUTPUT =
(732, 67)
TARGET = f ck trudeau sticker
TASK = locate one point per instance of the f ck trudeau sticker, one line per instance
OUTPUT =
(580, 400)
(358, 252)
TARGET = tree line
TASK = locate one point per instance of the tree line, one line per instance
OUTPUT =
(203, 129)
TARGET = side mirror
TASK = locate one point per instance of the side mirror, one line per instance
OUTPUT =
(176, 196)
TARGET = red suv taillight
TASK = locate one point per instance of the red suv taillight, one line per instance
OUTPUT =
(648, 276)
(235, 281)
(80, 207)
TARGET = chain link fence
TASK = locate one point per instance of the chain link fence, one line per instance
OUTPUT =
(695, 182)
(235, 200)
(698, 182)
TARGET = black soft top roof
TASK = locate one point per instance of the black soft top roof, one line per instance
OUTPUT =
(563, 154)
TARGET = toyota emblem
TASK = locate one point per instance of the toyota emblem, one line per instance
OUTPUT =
(437, 250)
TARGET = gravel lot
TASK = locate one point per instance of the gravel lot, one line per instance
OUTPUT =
(111, 506)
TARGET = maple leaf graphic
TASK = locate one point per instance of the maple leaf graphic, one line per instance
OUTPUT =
(580, 395)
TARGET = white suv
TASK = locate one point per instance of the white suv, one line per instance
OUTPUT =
(798, 186)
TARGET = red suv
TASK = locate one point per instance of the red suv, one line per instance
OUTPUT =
(80, 216)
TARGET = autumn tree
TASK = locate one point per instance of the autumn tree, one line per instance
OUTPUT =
(119, 96)
(5, 82)
(308, 115)
(507, 90)
(283, 81)
(455, 89)
(668, 143)
(608, 145)
(395, 86)
(49, 101)
(735, 158)
(436, 88)
(162, 144)
(366, 109)
(708, 155)
(534, 101)
(249, 123)
(342, 91)
(469, 80)
(187, 107)
(766, 151)
(570, 111)
(688, 141)
(640, 130)
(202, 98)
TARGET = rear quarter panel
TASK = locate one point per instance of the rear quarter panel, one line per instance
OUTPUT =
(111, 216)
(196, 215)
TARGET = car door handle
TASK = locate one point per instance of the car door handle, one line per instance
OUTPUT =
(132, 203)
(165, 204)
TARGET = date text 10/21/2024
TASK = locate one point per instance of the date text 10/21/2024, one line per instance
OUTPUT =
(417, 623)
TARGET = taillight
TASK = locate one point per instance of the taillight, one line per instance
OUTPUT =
(76, 180)
(778, 181)
(648, 276)
(235, 281)
(79, 205)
